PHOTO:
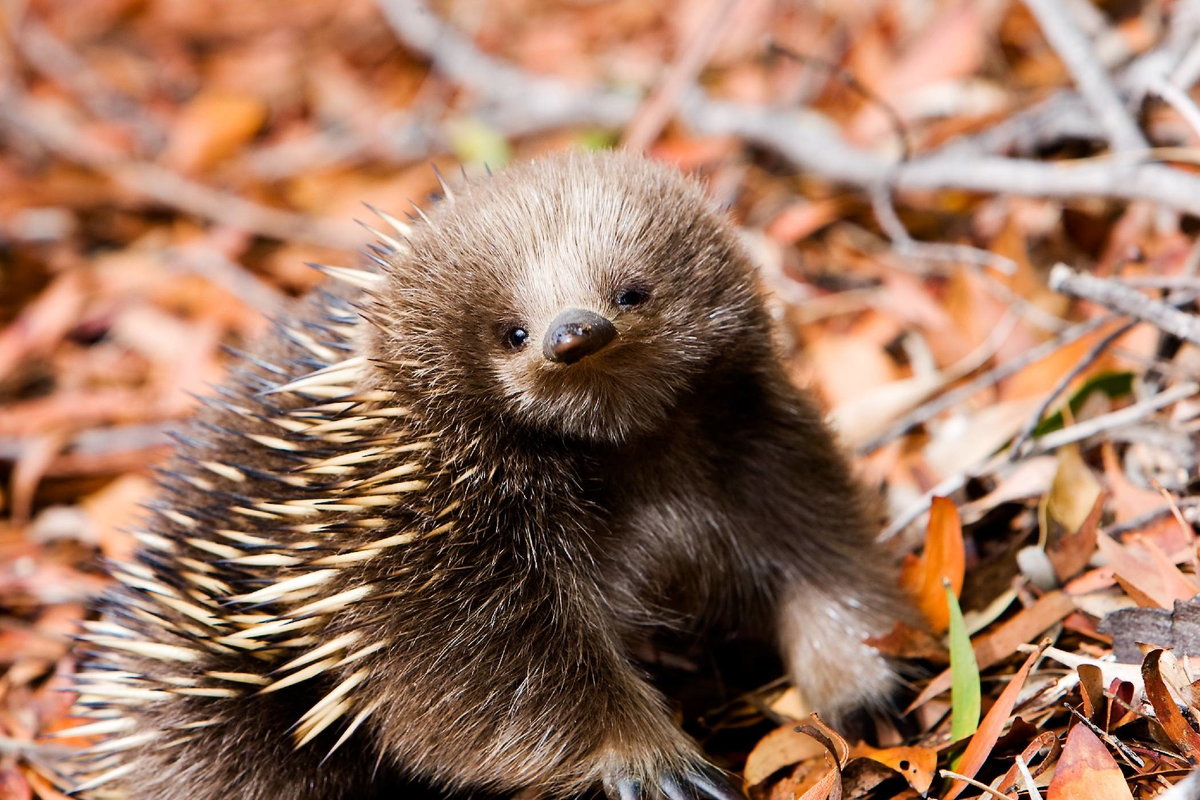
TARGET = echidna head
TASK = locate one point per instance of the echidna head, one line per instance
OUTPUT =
(582, 295)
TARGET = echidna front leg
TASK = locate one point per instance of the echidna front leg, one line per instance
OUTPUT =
(542, 698)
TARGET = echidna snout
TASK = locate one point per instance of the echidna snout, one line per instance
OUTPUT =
(575, 334)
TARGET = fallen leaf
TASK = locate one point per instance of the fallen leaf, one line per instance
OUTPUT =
(779, 748)
(981, 744)
(827, 736)
(1137, 570)
(1086, 771)
(1070, 552)
(942, 562)
(992, 648)
(1166, 711)
(211, 127)
(918, 765)
(829, 787)
(1177, 630)
(1074, 492)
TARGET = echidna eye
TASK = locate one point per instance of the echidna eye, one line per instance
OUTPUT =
(628, 298)
(515, 337)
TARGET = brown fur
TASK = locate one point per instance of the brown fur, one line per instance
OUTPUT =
(675, 477)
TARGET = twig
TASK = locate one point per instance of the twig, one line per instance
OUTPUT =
(968, 390)
(1131, 757)
(1093, 80)
(1018, 449)
(169, 188)
(650, 119)
(517, 101)
(983, 787)
(1145, 520)
(1030, 784)
(905, 244)
(1179, 100)
(1114, 419)
(1117, 296)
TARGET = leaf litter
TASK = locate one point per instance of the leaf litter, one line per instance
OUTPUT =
(168, 167)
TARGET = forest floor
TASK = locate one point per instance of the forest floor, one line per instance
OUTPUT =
(978, 221)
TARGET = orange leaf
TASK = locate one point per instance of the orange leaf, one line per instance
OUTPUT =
(1086, 771)
(944, 559)
(981, 744)
(918, 765)
(211, 127)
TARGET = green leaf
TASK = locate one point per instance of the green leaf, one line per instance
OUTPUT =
(475, 142)
(964, 675)
(1113, 384)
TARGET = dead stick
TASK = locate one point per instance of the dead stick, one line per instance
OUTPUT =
(928, 411)
(1119, 297)
(1019, 446)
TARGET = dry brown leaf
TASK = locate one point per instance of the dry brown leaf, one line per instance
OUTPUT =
(828, 788)
(1139, 572)
(779, 748)
(1166, 711)
(1072, 550)
(1074, 492)
(1086, 771)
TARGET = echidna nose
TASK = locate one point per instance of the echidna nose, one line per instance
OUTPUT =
(576, 333)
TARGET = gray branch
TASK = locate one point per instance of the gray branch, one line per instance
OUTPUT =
(517, 102)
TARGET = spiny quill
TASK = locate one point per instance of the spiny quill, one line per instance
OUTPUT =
(363, 423)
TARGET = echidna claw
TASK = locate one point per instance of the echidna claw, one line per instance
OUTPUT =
(706, 784)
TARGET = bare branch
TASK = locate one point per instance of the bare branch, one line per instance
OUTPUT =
(170, 188)
(649, 120)
(1093, 80)
(1119, 297)
(517, 101)
(1018, 448)
(929, 410)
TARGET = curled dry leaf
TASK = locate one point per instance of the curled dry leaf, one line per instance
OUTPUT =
(779, 748)
(944, 559)
(827, 736)
(1165, 710)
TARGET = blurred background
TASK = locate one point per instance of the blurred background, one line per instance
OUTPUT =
(907, 172)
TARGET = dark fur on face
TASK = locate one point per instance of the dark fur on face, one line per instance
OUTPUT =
(592, 233)
(420, 531)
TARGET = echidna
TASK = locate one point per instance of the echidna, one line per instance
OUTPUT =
(420, 528)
